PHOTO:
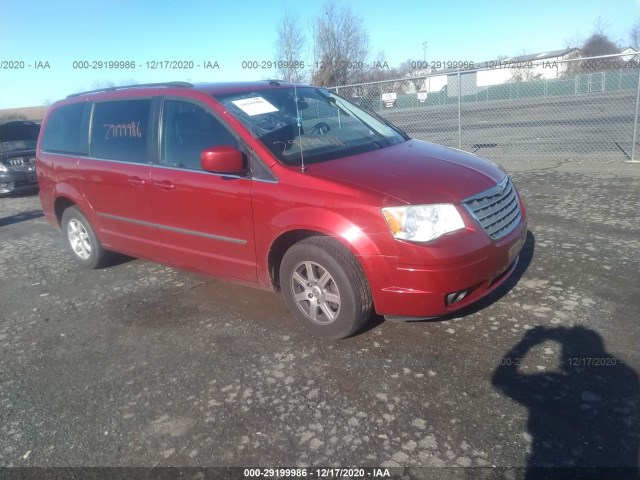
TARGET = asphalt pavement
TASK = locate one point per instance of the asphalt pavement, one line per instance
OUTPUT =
(140, 364)
(597, 125)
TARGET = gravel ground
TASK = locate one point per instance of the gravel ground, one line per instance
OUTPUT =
(139, 364)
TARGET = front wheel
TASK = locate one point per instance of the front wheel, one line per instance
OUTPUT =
(81, 239)
(325, 287)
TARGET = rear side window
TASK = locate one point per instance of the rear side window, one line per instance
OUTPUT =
(66, 130)
(120, 131)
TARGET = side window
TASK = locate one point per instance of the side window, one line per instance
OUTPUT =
(187, 129)
(65, 131)
(120, 130)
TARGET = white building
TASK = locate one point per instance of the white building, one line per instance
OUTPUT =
(546, 65)
(538, 66)
(627, 53)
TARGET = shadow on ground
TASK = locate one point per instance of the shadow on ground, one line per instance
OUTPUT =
(20, 217)
(584, 414)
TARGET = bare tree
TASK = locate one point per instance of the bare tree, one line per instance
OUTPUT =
(576, 41)
(10, 117)
(289, 46)
(340, 46)
(599, 30)
(376, 71)
(519, 75)
(598, 44)
(98, 84)
(406, 69)
(601, 26)
(634, 36)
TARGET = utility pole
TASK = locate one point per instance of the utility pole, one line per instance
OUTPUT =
(424, 52)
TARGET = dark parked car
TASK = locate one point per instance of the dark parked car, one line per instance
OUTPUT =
(18, 141)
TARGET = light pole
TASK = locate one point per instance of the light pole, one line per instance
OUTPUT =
(424, 58)
(635, 125)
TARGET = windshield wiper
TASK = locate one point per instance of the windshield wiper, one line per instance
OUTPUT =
(327, 98)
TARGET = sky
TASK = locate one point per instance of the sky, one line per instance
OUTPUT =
(40, 40)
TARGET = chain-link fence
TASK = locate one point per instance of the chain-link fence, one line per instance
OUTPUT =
(551, 108)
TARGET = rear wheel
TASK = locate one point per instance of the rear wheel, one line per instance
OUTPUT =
(82, 240)
(325, 287)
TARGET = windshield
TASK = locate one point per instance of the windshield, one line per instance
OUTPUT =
(309, 122)
(18, 135)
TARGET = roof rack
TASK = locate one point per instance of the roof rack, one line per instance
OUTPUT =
(136, 85)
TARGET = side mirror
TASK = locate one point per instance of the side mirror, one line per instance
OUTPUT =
(222, 159)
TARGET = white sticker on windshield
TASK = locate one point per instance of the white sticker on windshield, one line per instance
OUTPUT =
(254, 106)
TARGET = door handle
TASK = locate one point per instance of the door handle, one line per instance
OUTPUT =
(165, 185)
(136, 181)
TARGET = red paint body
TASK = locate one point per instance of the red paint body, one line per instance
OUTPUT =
(341, 198)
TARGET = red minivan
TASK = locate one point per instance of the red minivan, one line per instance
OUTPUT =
(283, 187)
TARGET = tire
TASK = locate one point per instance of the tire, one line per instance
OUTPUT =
(325, 288)
(81, 239)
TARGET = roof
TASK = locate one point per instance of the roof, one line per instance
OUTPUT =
(541, 56)
(209, 88)
(522, 58)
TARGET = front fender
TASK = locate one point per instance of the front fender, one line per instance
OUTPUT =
(318, 219)
(325, 222)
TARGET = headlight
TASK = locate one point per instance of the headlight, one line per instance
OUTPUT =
(3, 168)
(422, 223)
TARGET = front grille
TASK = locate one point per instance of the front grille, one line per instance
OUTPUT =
(21, 163)
(497, 209)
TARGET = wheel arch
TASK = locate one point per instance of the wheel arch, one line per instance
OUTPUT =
(343, 230)
(65, 196)
(331, 296)
(280, 246)
(60, 205)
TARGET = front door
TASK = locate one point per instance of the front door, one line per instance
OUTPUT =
(205, 219)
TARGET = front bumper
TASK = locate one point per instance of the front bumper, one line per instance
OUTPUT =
(416, 291)
(15, 181)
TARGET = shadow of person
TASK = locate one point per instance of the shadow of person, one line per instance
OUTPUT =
(585, 416)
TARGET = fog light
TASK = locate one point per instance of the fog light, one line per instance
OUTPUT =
(455, 297)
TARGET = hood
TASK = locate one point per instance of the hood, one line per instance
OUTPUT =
(415, 172)
(18, 136)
